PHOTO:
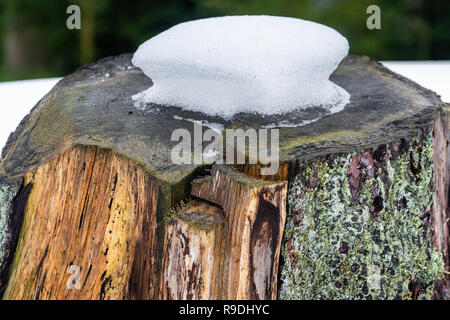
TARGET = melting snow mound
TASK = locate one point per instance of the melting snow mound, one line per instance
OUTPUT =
(254, 64)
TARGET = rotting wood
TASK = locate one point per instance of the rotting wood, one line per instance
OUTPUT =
(255, 213)
(193, 253)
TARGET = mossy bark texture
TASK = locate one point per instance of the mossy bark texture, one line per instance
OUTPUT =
(13, 197)
(360, 226)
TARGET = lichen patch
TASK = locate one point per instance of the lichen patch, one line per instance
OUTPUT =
(357, 225)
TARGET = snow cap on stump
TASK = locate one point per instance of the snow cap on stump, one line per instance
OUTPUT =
(262, 64)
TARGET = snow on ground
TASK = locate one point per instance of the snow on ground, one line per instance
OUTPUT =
(434, 75)
(18, 97)
(225, 65)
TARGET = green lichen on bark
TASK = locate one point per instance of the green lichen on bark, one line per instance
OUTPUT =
(7, 193)
(359, 225)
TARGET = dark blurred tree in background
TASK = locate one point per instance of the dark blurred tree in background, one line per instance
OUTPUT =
(34, 40)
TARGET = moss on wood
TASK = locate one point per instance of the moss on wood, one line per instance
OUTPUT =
(7, 193)
(358, 225)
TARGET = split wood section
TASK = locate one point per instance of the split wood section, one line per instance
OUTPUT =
(94, 228)
(92, 210)
(255, 214)
(193, 246)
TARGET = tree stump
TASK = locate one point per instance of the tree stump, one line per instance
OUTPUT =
(92, 207)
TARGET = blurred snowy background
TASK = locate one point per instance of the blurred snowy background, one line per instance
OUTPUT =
(35, 42)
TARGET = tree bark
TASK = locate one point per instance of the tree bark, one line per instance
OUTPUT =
(92, 207)
(369, 224)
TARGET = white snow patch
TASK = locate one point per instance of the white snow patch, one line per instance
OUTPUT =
(289, 124)
(256, 64)
(212, 125)
(18, 97)
(430, 74)
(211, 154)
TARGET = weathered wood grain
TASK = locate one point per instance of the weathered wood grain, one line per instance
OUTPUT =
(255, 213)
(441, 211)
(193, 257)
(254, 170)
(92, 209)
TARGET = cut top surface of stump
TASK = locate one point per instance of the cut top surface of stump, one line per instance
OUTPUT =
(94, 106)
(202, 214)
